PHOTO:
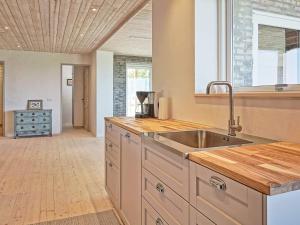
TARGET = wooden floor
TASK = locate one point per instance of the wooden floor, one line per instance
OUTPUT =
(47, 178)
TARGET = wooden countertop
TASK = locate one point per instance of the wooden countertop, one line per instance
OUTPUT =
(270, 168)
(140, 126)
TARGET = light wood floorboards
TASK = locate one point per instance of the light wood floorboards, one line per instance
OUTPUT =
(47, 178)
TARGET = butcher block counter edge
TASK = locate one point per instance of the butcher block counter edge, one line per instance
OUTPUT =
(271, 175)
(140, 126)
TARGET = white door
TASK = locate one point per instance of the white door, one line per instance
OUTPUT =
(78, 96)
(86, 98)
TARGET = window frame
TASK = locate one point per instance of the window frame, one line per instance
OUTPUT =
(225, 58)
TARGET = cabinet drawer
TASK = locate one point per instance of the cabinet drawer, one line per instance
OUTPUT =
(45, 126)
(44, 119)
(169, 167)
(112, 132)
(112, 182)
(172, 207)
(223, 200)
(27, 114)
(197, 218)
(27, 120)
(112, 152)
(26, 127)
(150, 216)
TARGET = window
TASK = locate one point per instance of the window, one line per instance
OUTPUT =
(139, 78)
(254, 44)
(265, 45)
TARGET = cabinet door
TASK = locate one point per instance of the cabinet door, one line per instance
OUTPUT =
(150, 216)
(112, 182)
(196, 218)
(131, 206)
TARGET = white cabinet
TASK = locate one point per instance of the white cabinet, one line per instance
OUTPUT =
(222, 200)
(112, 163)
(196, 218)
(112, 181)
(131, 197)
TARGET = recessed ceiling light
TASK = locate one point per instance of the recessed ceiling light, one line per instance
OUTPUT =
(6, 27)
(81, 35)
(19, 46)
(94, 9)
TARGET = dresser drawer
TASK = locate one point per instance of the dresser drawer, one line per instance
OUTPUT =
(112, 152)
(172, 207)
(32, 133)
(27, 120)
(112, 133)
(150, 216)
(26, 127)
(44, 119)
(171, 168)
(27, 114)
(222, 200)
(45, 126)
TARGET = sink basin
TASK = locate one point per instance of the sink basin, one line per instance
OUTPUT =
(203, 139)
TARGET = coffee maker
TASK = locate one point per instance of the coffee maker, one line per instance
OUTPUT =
(145, 104)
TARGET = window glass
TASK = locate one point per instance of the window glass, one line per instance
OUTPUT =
(138, 79)
(265, 43)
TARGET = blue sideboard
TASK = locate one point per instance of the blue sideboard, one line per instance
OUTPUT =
(29, 123)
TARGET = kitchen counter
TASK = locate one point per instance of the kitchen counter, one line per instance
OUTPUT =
(140, 126)
(271, 169)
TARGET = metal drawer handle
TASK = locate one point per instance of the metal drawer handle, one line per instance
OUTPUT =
(33, 114)
(33, 120)
(217, 183)
(33, 126)
(160, 188)
(44, 119)
(127, 135)
(22, 120)
(159, 221)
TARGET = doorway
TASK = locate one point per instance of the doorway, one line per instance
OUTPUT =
(1, 99)
(75, 96)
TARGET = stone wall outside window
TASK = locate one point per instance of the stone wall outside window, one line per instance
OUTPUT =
(243, 30)
(119, 80)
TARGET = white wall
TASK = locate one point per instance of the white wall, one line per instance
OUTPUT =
(33, 75)
(102, 85)
(67, 73)
(174, 72)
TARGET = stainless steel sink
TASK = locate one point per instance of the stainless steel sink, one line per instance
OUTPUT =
(203, 139)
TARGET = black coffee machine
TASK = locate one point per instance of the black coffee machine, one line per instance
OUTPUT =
(145, 106)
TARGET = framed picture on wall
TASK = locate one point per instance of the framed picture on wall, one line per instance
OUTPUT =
(35, 104)
(69, 82)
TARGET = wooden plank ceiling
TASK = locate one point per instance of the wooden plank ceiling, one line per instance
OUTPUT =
(135, 37)
(66, 26)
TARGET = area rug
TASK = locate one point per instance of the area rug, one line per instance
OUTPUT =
(101, 218)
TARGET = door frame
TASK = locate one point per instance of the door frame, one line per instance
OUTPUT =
(3, 99)
(61, 84)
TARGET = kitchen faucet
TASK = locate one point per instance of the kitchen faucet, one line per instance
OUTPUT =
(232, 127)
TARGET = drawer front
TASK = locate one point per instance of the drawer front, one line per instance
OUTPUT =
(172, 207)
(112, 182)
(112, 152)
(26, 127)
(44, 119)
(27, 120)
(112, 132)
(223, 200)
(197, 218)
(32, 133)
(150, 216)
(45, 126)
(169, 167)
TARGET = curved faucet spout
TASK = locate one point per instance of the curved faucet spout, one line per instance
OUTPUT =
(232, 127)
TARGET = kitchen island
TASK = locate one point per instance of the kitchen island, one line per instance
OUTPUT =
(246, 184)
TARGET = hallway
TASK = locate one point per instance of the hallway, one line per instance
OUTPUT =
(44, 179)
